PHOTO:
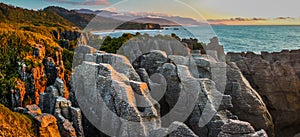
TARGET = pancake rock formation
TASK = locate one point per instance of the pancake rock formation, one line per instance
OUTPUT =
(276, 77)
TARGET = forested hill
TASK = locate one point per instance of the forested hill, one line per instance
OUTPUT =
(12, 15)
(80, 20)
(83, 19)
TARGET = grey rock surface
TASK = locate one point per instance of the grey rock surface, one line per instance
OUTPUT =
(155, 88)
(236, 128)
(248, 104)
(275, 76)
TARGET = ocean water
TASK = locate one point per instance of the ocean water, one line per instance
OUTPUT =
(234, 38)
(259, 38)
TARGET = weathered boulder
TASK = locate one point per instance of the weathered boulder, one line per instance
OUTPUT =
(33, 110)
(46, 122)
(18, 96)
(176, 129)
(48, 126)
(236, 128)
(275, 76)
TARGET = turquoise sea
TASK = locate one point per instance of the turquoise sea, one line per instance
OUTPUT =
(234, 38)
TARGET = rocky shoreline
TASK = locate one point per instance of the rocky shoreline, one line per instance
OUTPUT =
(238, 94)
(154, 86)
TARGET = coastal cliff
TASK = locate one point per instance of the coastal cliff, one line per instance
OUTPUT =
(218, 86)
(275, 76)
(131, 91)
(164, 85)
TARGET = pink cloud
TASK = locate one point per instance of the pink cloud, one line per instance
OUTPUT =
(111, 9)
(148, 13)
(85, 2)
(238, 19)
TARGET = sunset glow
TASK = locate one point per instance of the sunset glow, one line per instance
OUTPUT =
(217, 12)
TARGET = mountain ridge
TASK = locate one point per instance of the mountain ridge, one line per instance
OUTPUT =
(144, 17)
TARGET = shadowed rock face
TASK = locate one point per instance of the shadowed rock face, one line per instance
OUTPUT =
(186, 93)
(275, 76)
(248, 105)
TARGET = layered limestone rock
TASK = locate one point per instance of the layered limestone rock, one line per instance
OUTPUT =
(236, 128)
(244, 98)
(159, 91)
(248, 104)
(124, 83)
(155, 91)
(276, 78)
(187, 97)
(176, 129)
(82, 54)
(118, 96)
(69, 118)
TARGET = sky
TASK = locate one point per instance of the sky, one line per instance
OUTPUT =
(216, 11)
